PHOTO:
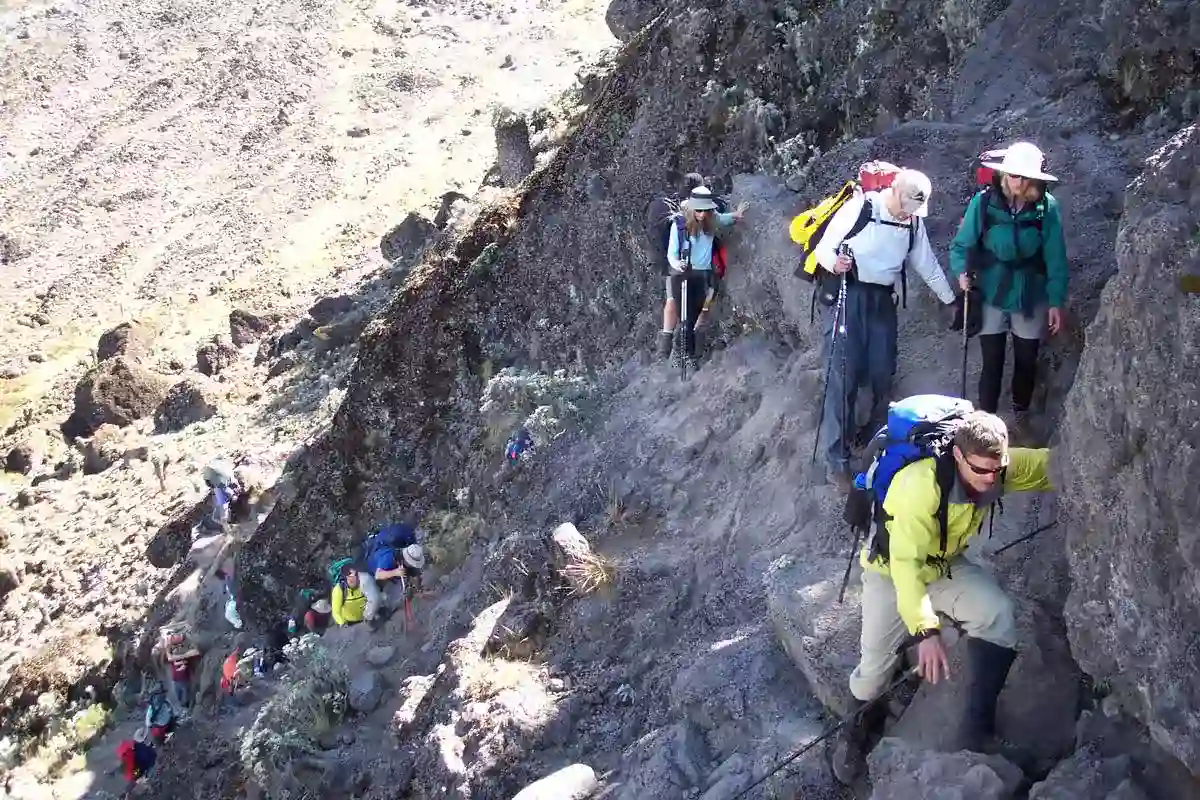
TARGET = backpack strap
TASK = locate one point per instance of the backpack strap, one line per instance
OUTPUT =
(944, 475)
(684, 250)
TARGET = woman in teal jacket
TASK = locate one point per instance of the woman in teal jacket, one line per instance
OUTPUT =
(1011, 244)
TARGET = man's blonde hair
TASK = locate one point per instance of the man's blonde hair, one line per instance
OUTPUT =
(982, 434)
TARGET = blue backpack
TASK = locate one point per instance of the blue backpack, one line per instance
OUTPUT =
(379, 549)
(918, 427)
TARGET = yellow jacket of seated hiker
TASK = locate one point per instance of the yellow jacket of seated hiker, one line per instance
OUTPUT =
(349, 604)
(914, 535)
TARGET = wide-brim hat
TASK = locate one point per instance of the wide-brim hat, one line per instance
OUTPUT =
(701, 199)
(322, 606)
(414, 556)
(1022, 160)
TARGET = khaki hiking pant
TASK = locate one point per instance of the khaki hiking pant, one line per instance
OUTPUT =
(972, 598)
(370, 590)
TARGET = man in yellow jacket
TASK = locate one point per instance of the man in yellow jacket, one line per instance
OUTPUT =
(908, 578)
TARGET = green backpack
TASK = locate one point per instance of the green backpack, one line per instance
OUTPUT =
(335, 569)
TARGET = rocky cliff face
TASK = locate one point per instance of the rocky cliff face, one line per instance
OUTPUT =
(1129, 440)
(696, 490)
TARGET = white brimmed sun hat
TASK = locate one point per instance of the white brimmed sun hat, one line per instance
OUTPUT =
(414, 556)
(1024, 160)
(701, 199)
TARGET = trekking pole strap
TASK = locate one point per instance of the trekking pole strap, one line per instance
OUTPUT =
(832, 729)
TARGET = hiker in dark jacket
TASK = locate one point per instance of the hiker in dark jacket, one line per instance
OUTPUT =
(1011, 245)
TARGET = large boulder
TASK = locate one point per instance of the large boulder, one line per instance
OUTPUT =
(1132, 447)
(131, 339)
(818, 633)
(575, 782)
(514, 156)
(190, 401)
(118, 391)
(1087, 775)
(246, 327)
(900, 771)
(27, 455)
(403, 244)
(105, 447)
(215, 355)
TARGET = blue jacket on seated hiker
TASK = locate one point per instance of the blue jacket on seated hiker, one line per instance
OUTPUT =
(393, 552)
(892, 239)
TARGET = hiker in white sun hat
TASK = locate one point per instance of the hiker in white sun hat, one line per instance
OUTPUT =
(1011, 254)
(1023, 160)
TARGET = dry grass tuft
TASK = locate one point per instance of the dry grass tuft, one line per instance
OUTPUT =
(484, 679)
(589, 573)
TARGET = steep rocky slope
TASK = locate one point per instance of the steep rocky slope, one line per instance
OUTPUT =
(716, 470)
(202, 207)
(1130, 441)
(670, 679)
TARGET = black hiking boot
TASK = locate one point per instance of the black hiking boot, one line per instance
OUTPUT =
(665, 340)
(1023, 432)
(848, 748)
(987, 670)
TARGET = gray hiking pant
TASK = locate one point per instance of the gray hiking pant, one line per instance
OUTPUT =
(972, 597)
(864, 355)
(370, 590)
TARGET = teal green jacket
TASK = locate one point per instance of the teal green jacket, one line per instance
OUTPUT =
(1010, 265)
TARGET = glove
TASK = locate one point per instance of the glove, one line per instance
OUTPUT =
(974, 312)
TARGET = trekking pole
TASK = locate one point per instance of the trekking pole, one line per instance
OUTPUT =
(683, 323)
(847, 421)
(850, 564)
(1026, 537)
(832, 729)
(838, 323)
(966, 309)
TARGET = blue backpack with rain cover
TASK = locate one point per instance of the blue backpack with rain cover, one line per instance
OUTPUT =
(380, 549)
(918, 427)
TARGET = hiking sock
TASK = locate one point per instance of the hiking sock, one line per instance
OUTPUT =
(1025, 355)
(991, 372)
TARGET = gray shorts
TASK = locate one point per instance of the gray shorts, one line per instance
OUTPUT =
(1022, 326)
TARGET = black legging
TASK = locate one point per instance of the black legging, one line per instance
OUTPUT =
(1025, 354)
(698, 285)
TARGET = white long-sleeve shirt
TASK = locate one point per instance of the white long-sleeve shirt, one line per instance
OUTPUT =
(881, 250)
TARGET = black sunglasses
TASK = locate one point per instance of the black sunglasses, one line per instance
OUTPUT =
(985, 470)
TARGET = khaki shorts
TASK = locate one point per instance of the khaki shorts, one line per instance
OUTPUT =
(1022, 326)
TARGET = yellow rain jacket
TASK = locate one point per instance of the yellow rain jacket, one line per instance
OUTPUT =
(349, 604)
(914, 537)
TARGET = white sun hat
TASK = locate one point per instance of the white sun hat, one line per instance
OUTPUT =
(701, 199)
(1023, 160)
(414, 556)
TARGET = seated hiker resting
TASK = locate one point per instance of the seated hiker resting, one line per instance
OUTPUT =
(137, 759)
(355, 596)
(310, 612)
(160, 717)
(914, 569)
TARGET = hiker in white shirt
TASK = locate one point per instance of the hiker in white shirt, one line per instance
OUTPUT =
(885, 236)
